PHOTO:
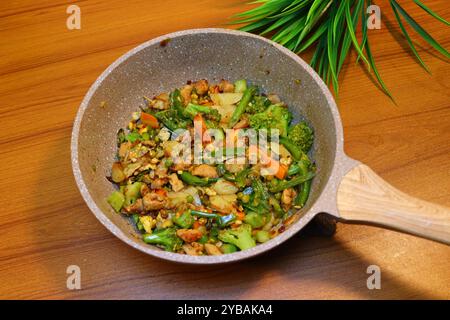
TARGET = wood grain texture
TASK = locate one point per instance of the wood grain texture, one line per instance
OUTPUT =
(45, 70)
(364, 197)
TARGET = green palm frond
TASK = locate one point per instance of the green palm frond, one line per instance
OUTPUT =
(331, 25)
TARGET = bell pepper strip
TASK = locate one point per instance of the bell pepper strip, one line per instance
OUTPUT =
(285, 184)
(305, 187)
(246, 98)
(196, 181)
(293, 149)
(293, 169)
(222, 221)
(171, 119)
(241, 178)
(303, 195)
(116, 200)
(240, 85)
(137, 222)
(149, 120)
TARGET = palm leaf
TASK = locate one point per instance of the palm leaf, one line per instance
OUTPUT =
(431, 12)
(351, 30)
(331, 26)
(372, 62)
(405, 33)
(428, 38)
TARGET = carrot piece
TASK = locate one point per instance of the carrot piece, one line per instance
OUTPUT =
(269, 162)
(198, 118)
(282, 171)
(240, 215)
(149, 120)
(161, 192)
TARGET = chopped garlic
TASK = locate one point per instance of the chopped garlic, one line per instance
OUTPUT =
(164, 134)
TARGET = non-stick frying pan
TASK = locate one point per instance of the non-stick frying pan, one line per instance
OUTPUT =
(343, 187)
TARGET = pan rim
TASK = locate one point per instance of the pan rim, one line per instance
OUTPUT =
(318, 206)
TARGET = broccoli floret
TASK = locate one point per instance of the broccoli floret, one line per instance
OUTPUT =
(171, 119)
(177, 103)
(301, 135)
(166, 238)
(257, 104)
(240, 237)
(184, 221)
(256, 220)
(132, 193)
(275, 117)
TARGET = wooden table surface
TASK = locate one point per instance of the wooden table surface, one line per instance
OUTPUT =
(45, 70)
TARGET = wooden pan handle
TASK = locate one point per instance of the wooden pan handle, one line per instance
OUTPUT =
(363, 196)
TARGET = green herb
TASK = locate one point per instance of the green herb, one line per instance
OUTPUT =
(330, 25)
(133, 136)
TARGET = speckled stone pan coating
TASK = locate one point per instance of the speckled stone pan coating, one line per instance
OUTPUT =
(167, 62)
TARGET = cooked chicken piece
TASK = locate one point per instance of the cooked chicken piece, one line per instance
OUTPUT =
(137, 207)
(163, 96)
(158, 183)
(205, 170)
(123, 149)
(149, 143)
(189, 235)
(160, 104)
(274, 98)
(144, 189)
(223, 186)
(226, 86)
(176, 183)
(223, 203)
(117, 174)
(235, 167)
(186, 93)
(212, 250)
(201, 86)
(214, 89)
(161, 170)
(244, 123)
(193, 249)
(130, 169)
(287, 198)
(153, 201)
(181, 166)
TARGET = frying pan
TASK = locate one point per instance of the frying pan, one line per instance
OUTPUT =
(343, 187)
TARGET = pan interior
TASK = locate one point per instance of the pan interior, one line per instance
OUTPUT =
(161, 67)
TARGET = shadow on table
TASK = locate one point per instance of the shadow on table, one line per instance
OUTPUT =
(306, 266)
